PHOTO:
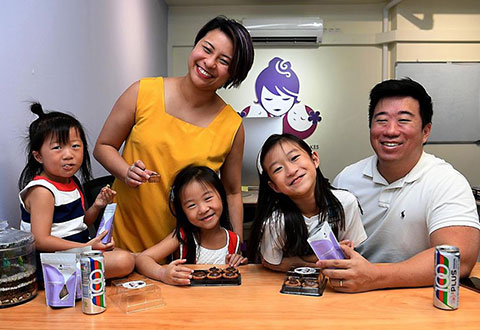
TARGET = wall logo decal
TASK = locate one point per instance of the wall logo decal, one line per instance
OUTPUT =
(277, 89)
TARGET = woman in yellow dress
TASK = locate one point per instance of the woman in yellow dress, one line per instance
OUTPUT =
(168, 123)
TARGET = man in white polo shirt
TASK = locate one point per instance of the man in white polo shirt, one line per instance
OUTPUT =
(411, 200)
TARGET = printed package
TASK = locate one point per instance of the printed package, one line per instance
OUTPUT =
(107, 223)
(60, 278)
(324, 244)
(78, 252)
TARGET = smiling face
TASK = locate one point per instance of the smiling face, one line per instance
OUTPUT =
(61, 162)
(397, 136)
(276, 105)
(292, 170)
(210, 59)
(202, 205)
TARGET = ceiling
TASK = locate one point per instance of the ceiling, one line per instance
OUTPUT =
(267, 2)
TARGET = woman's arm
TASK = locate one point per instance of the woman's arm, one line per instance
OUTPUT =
(114, 132)
(231, 174)
(173, 273)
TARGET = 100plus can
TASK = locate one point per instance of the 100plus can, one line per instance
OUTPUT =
(447, 277)
(94, 299)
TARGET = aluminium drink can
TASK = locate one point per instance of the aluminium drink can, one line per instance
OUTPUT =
(94, 299)
(447, 277)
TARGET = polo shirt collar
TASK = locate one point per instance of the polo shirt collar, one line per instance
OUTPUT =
(415, 173)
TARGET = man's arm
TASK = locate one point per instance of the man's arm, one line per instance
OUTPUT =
(356, 274)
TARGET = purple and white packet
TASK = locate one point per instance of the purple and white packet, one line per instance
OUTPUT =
(107, 223)
(325, 244)
(60, 278)
(78, 252)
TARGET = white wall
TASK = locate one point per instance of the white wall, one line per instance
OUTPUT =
(74, 56)
(335, 78)
(348, 64)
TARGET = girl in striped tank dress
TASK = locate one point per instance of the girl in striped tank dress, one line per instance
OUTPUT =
(52, 203)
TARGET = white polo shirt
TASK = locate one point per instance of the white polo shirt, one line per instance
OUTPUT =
(399, 217)
(273, 240)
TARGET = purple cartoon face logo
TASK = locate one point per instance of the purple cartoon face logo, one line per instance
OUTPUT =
(277, 88)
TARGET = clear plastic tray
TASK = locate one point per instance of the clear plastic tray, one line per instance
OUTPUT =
(136, 295)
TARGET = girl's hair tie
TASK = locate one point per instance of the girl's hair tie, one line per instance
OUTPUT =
(259, 164)
(37, 109)
(172, 195)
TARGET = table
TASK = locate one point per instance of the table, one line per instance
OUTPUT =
(257, 304)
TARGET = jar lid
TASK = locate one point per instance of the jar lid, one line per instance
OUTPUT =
(11, 237)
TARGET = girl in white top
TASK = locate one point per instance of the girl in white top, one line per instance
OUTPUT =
(203, 233)
(294, 200)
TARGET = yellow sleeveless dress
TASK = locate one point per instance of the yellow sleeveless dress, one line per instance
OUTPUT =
(165, 144)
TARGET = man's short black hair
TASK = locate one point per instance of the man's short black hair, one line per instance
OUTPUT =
(402, 87)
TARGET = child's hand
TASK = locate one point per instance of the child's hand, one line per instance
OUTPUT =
(347, 243)
(97, 244)
(176, 274)
(235, 260)
(104, 197)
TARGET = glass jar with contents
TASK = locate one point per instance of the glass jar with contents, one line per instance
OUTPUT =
(18, 282)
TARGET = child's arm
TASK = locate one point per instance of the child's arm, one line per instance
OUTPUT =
(312, 258)
(288, 263)
(173, 273)
(40, 203)
(105, 197)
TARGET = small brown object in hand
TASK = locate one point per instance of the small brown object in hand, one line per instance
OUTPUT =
(154, 178)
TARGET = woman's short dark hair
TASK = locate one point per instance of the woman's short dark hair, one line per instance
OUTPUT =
(242, 47)
(402, 87)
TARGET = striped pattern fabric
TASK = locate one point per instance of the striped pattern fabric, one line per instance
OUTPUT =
(69, 207)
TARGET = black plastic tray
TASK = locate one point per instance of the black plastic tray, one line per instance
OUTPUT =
(217, 282)
(305, 291)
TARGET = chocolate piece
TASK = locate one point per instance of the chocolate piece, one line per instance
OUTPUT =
(231, 269)
(214, 270)
(230, 275)
(199, 274)
(214, 275)
(292, 281)
(154, 178)
(310, 284)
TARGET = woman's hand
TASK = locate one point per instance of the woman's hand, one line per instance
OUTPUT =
(235, 260)
(104, 197)
(137, 174)
(176, 274)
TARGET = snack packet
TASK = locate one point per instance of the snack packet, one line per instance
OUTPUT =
(325, 244)
(59, 274)
(107, 222)
(77, 252)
